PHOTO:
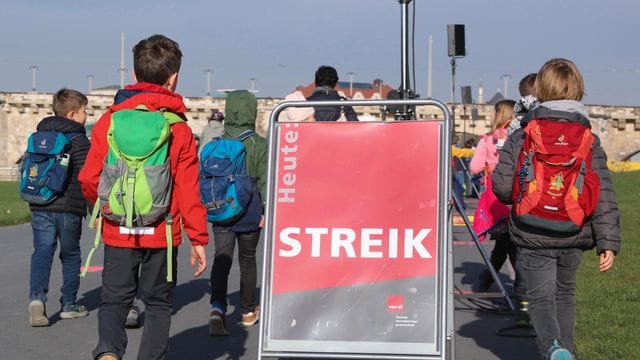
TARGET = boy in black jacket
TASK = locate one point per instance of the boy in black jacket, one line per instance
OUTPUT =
(60, 220)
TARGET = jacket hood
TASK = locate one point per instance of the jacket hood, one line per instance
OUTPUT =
(240, 111)
(61, 124)
(154, 97)
(570, 110)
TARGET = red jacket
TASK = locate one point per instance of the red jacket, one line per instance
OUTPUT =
(186, 209)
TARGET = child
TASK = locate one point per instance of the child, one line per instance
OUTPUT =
(240, 111)
(526, 102)
(137, 257)
(485, 159)
(550, 258)
(60, 220)
(213, 129)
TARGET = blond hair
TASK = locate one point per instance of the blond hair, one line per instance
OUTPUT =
(504, 113)
(559, 79)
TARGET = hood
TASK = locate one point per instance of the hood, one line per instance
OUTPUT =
(240, 111)
(154, 97)
(570, 110)
(60, 124)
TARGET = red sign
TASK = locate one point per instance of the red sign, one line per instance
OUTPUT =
(355, 203)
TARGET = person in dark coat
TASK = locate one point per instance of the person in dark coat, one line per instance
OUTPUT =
(326, 80)
(61, 220)
(550, 259)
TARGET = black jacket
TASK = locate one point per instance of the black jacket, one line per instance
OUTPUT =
(330, 113)
(602, 230)
(72, 201)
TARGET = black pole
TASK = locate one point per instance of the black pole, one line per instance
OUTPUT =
(405, 83)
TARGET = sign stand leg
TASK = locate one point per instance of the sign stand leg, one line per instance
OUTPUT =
(483, 253)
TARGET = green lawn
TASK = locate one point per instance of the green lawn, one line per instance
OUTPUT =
(608, 318)
(13, 210)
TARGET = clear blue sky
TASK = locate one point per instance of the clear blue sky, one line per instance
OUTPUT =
(281, 42)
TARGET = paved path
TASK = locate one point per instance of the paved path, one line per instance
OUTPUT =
(74, 339)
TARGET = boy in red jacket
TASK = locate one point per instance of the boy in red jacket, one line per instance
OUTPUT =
(128, 252)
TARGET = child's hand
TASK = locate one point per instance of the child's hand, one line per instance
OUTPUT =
(606, 260)
(199, 256)
(262, 221)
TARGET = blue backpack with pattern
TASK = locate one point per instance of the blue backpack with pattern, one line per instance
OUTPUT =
(45, 167)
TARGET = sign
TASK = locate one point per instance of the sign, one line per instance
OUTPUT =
(354, 251)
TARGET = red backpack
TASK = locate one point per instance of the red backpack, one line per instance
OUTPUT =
(555, 187)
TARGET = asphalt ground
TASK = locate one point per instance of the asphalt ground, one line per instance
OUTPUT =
(476, 320)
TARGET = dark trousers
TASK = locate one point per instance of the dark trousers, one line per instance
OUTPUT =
(550, 275)
(223, 259)
(124, 271)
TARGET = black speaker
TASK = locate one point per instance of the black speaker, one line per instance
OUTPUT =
(455, 35)
(474, 114)
(466, 95)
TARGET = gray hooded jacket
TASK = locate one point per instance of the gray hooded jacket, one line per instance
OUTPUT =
(602, 230)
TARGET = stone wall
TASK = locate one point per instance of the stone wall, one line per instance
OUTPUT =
(618, 127)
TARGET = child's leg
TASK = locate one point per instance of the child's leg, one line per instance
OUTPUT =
(519, 289)
(44, 246)
(568, 263)
(247, 244)
(70, 229)
(539, 272)
(157, 295)
(224, 242)
(119, 288)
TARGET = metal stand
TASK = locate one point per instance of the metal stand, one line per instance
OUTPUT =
(453, 93)
(485, 258)
(468, 175)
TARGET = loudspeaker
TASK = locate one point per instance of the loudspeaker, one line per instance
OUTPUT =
(466, 95)
(474, 114)
(455, 35)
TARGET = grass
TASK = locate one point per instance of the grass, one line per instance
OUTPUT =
(608, 316)
(13, 210)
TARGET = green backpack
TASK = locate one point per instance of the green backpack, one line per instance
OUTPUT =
(135, 183)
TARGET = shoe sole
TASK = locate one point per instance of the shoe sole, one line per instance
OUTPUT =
(73, 315)
(37, 318)
(216, 327)
(250, 323)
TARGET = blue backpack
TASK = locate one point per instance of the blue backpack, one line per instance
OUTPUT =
(45, 166)
(225, 187)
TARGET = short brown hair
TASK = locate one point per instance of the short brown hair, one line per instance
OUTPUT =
(66, 100)
(559, 79)
(155, 59)
(526, 86)
(504, 113)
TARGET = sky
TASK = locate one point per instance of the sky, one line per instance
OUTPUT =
(280, 43)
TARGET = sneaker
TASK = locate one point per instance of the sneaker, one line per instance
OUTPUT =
(557, 352)
(73, 311)
(108, 356)
(249, 319)
(38, 314)
(217, 323)
(133, 318)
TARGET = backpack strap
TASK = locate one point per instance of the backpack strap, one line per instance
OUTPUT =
(172, 118)
(169, 235)
(245, 135)
(95, 222)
